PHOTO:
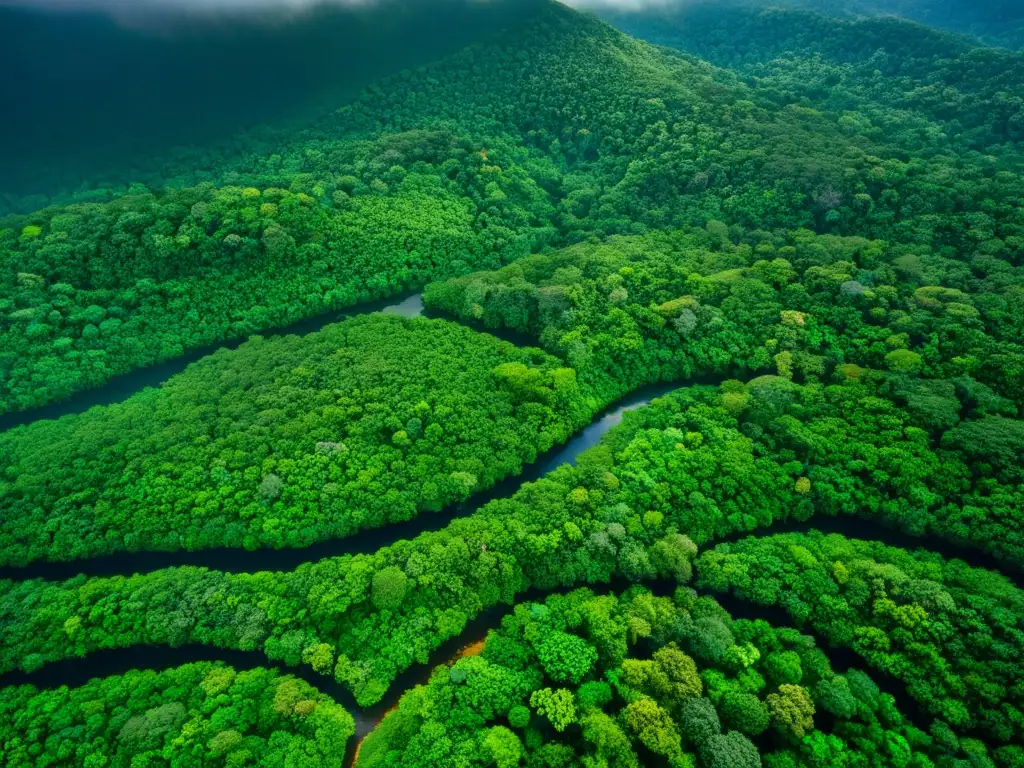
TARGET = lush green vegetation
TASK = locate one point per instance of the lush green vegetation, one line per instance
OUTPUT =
(644, 680)
(195, 715)
(841, 449)
(684, 467)
(884, 77)
(572, 131)
(826, 217)
(94, 290)
(287, 441)
(666, 305)
(290, 441)
(950, 631)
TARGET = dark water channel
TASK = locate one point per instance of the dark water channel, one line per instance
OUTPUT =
(873, 530)
(76, 672)
(125, 385)
(235, 560)
(118, 661)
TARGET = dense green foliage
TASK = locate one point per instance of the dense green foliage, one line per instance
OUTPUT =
(669, 305)
(928, 91)
(950, 631)
(775, 450)
(648, 679)
(287, 441)
(362, 618)
(830, 222)
(573, 131)
(94, 290)
(194, 715)
(297, 439)
(925, 444)
(685, 465)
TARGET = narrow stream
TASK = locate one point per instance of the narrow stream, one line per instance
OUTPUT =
(235, 560)
(123, 386)
(76, 672)
(854, 527)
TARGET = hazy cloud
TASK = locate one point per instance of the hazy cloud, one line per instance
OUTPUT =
(119, 7)
(132, 7)
(625, 5)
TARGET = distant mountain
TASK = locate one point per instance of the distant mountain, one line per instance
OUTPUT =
(910, 80)
(995, 22)
(88, 100)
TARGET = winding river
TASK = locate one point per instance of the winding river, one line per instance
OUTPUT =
(123, 386)
(234, 560)
(410, 304)
(74, 672)
(117, 661)
(107, 663)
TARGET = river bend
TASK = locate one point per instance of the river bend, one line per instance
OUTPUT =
(237, 560)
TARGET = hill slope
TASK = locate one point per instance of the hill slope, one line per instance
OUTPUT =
(551, 133)
(916, 84)
(95, 104)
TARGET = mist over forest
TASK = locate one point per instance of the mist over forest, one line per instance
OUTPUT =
(108, 90)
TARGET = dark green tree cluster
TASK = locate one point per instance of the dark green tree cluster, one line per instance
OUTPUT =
(194, 715)
(94, 290)
(770, 450)
(994, 22)
(888, 78)
(642, 680)
(670, 305)
(287, 441)
(951, 632)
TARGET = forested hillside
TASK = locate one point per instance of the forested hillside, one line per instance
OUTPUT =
(98, 103)
(996, 23)
(806, 229)
(886, 76)
(466, 164)
(1000, 22)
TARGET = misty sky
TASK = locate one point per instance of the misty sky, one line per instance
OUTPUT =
(120, 7)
